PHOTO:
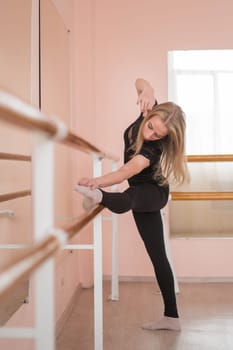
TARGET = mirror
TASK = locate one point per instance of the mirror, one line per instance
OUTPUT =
(55, 97)
(17, 78)
(15, 73)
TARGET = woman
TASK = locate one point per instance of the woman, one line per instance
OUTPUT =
(154, 155)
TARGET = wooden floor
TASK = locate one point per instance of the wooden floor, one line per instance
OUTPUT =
(206, 312)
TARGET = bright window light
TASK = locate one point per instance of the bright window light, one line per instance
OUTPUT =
(201, 82)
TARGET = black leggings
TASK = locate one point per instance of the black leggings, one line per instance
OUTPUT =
(145, 201)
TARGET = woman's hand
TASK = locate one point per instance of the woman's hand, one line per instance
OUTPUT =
(89, 182)
(146, 98)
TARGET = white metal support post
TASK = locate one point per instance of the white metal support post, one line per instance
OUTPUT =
(115, 279)
(43, 218)
(98, 274)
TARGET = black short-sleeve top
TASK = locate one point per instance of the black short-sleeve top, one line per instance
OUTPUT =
(150, 149)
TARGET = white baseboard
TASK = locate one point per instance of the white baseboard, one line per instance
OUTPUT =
(180, 279)
(205, 279)
(131, 278)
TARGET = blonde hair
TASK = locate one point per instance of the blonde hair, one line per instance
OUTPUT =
(172, 167)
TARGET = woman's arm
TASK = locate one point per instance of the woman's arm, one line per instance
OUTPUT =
(131, 168)
(146, 98)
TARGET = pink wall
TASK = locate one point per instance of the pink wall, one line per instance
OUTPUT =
(119, 41)
(115, 42)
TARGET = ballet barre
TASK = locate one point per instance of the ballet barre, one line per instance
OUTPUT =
(201, 196)
(210, 158)
(205, 195)
(46, 131)
(16, 112)
(188, 196)
(21, 268)
(12, 156)
(13, 195)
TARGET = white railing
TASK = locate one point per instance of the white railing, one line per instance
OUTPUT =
(47, 238)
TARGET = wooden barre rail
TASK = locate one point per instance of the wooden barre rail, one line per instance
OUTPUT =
(83, 221)
(12, 156)
(182, 196)
(210, 158)
(22, 267)
(18, 113)
(13, 195)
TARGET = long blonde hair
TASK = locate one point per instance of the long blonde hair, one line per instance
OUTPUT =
(173, 167)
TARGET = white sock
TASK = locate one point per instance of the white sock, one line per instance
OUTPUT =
(91, 197)
(168, 323)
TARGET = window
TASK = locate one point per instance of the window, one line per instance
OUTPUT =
(201, 82)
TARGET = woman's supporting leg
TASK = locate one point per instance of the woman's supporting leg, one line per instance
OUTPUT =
(150, 227)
